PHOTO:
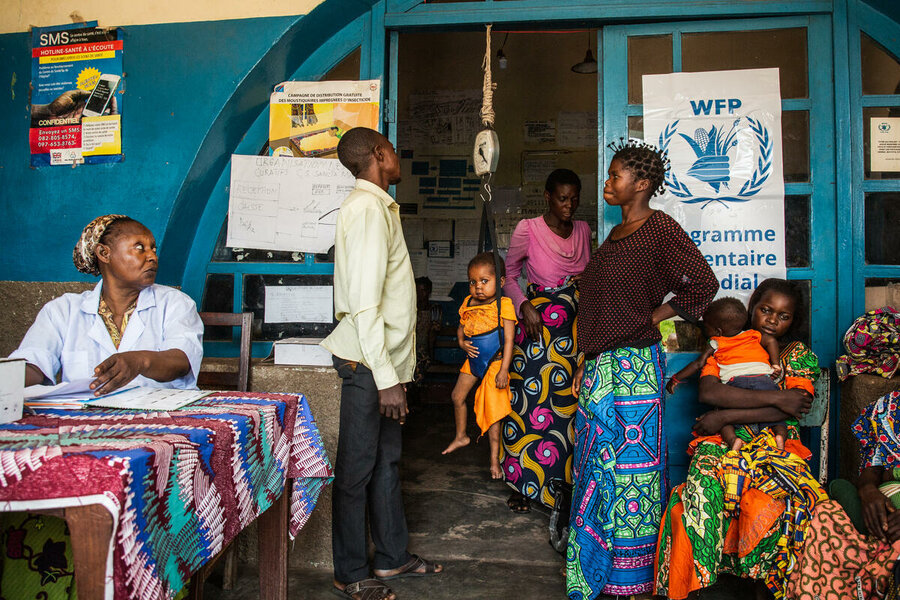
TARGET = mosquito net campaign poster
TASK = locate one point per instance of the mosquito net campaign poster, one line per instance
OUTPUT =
(308, 118)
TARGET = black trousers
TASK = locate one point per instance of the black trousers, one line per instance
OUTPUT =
(366, 473)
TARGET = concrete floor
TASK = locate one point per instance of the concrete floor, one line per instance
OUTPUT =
(458, 516)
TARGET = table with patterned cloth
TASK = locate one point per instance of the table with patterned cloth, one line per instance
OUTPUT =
(178, 485)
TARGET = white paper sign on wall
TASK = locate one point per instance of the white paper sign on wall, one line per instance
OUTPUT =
(285, 203)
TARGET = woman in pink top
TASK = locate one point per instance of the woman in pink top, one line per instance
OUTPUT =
(550, 251)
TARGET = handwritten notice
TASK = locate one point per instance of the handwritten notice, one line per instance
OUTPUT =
(441, 118)
(418, 257)
(535, 170)
(576, 129)
(285, 203)
(299, 304)
(539, 132)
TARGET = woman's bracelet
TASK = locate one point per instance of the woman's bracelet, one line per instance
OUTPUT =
(675, 379)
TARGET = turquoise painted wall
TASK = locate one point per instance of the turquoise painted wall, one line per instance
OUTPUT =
(178, 76)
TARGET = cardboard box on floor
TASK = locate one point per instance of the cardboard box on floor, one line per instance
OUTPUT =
(301, 351)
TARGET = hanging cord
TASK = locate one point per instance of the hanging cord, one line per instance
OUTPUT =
(487, 119)
(487, 89)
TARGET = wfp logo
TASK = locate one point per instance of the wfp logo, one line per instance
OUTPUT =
(884, 127)
(713, 152)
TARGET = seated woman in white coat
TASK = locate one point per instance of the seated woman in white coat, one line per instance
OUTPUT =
(127, 330)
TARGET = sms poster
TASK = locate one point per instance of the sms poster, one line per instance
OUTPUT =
(308, 118)
(722, 131)
(76, 96)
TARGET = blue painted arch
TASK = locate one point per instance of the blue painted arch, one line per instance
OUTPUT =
(308, 49)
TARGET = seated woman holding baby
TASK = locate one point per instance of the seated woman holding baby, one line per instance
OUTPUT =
(745, 507)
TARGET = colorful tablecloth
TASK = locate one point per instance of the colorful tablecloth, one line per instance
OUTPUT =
(179, 485)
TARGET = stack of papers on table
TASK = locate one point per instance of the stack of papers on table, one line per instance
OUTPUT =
(69, 394)
(78, 393)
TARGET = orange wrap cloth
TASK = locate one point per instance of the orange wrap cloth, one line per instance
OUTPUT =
(491, 404)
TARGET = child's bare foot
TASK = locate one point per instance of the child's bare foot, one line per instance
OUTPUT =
(737, 444)
(496, 471)
(456, 444)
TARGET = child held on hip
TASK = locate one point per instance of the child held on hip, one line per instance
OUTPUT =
(479, 335)
(747, 359)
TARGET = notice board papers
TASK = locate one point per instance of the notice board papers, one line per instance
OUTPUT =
(299, 304)
(285, 203)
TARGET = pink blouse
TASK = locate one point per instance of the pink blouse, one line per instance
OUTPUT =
(545, 256)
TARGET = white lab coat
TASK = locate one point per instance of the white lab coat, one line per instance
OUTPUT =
(69, 334)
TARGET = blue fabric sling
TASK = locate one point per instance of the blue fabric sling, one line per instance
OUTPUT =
(489, 346)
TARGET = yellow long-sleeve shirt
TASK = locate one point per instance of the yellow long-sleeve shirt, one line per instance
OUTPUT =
(374, 287)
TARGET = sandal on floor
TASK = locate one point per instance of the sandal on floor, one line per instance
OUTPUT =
(412, 569)
(519, 503)
(368, 589)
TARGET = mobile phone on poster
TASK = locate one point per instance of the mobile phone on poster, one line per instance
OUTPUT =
(101, 96)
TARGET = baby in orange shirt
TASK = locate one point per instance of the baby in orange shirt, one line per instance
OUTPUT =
(487, 338)
(747, 359)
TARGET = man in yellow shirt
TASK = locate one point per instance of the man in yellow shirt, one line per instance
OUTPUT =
(374, 354)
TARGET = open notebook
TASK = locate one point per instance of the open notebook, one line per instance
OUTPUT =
(78, 394)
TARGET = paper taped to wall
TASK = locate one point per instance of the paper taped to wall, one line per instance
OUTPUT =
(299, 304)
(285, 203)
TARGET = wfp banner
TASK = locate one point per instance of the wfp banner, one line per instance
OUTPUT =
(722, 131)
(76, 96)
(308, 118)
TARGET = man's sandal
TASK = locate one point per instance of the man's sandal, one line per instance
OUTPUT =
(368, 589)
(416, 567)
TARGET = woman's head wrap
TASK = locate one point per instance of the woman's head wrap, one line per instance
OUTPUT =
(878, 432)
(83, 255)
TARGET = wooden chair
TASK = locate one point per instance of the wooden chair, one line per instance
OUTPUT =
(819, 416)
(231, 379)
(237, 380)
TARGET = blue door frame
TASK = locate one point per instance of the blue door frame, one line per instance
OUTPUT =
(682, 407)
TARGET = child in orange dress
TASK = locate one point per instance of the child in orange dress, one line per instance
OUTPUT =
(477, 334)
(745, 359)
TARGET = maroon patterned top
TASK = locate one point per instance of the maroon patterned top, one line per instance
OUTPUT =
(626, 279)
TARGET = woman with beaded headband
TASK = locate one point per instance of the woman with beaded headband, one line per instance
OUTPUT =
(619, 466)
(127, 329)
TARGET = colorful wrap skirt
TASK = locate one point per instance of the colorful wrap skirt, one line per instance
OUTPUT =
(537, 434)
(619, 470)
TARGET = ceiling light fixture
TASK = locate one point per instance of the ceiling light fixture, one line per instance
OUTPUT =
(501, 58)
(588, 65)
